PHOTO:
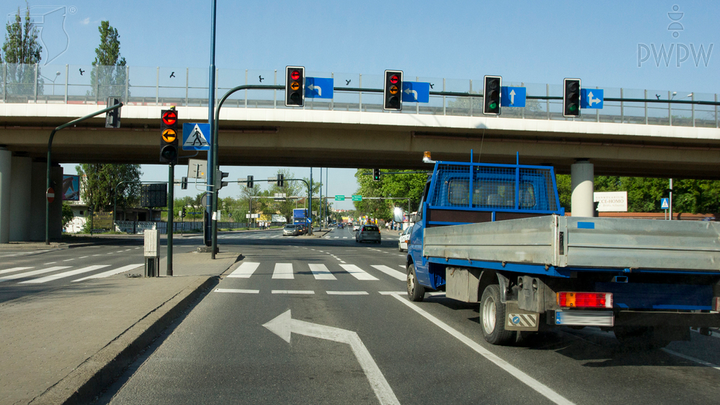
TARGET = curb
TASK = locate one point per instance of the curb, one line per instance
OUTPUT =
(88, 380)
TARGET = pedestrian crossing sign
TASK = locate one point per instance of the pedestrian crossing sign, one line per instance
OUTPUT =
(664, 204)
(196, 136)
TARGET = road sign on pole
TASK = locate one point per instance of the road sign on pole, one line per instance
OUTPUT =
(196, 136)
(357, 198)
(339, 197)
(512, 96)
(665, 203)
(319, 87)
(416, 92)
(592, 98)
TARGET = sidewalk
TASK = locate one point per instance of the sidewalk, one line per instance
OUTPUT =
(64, 345)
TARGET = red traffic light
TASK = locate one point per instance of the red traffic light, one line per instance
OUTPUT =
(394, 79)
(295, 75)
(169, 117)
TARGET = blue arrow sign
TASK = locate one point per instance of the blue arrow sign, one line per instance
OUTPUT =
(318, 87)
(196, 136)
(416, 92)
(512, 96)
(591, 98)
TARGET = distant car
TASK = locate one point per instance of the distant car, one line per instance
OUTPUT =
(369, 233)
(356, 228)
(403, 240)
(291, 230)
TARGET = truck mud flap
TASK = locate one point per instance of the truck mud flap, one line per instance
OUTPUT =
(519, 319)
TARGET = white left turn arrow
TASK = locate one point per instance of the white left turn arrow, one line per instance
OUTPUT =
(283, 325)
(414, 93)
(315, 87)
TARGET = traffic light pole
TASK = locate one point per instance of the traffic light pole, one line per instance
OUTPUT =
(212, 153)
(171, 214)
(49, 161)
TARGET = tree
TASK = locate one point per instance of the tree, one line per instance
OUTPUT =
(109, 73)
(289, 188)
(99, 181)
(410, 185)
(22, 54)
(67, 214)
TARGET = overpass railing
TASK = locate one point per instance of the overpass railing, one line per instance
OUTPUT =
(84, 84)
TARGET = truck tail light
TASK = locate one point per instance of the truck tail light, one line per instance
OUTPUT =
(716, 304)
(584, 300)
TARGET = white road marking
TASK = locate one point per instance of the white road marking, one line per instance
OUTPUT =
(283, 271)
(33, 273)
(245, 270)
(693, 359)
(236, 291)
(307, 292)
(541, 388)
(347, 293)
(357, 272)
(111, 272)
(65, 274)
(14, 269)
(69, 260)
(283, 325)
(390, 272)
(321, 272)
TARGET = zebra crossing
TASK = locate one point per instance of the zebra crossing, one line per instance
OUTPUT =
(52, 273)
(320, 271)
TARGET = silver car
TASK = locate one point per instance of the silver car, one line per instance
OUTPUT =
(403, 240)
(369, 233)
(291, 230)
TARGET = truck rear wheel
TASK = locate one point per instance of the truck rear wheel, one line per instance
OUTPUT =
(492, 317)
(415, 291)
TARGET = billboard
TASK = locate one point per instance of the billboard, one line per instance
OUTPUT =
(71, 187)
(611, 201)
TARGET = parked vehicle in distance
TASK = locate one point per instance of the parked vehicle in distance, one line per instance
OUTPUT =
(404, 237)
(291, 230)
(356, 227)
(370, 233)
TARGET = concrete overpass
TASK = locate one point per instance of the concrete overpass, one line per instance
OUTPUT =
(635, 137)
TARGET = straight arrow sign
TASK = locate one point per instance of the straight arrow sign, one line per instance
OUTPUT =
(283, 325)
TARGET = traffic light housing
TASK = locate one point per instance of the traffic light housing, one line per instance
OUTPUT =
(392, 90)
(294, 86)
(168, 136)
(112, 117)
(250, 182)
(183, 183)
(182, 212)
(571, 97)
(218, 179)
(376, 174)
(491, 95)
(280, 179)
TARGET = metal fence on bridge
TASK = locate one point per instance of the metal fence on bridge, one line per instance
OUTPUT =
(85, 84)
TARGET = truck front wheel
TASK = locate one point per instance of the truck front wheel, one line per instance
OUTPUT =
(492, 317)
(415, 291)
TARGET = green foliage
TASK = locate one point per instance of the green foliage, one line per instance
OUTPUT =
(645, 193)
(408, 185)
(99, 181)
(109, 71)
(67, 214)
(21, 51)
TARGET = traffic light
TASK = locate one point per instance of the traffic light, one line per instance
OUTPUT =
(491, 95)
(294, 86)
(571, 97)
(280, 179)
(112, 117)
(376, 174)
(183, 183)
(392, 90)
(250, 181)
(169, 136)
(218, 179)
(182, 212)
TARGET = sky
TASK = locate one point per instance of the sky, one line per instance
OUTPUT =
(653, 45)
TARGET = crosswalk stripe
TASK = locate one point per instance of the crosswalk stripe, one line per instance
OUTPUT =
(65, 274)
(357, 272)
(33, 273)
(236, 291)
(308, 292)
(14, 269)
(110, 272)
(390, 272)
(347, 292)
(283, 271)
(245, 270)
(321, 272)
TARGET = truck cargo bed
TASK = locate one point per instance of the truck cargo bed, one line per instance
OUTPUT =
(575, 242)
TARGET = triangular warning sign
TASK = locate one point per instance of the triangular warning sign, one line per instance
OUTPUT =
(196, 138)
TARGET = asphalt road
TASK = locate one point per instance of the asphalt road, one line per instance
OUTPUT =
(307, 320)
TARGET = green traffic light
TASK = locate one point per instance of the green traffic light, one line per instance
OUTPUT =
(493, 106)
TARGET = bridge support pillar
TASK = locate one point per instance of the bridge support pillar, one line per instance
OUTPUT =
(5, 177)
(20, 202)
(582, 175)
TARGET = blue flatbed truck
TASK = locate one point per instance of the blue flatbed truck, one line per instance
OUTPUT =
(530, 267)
